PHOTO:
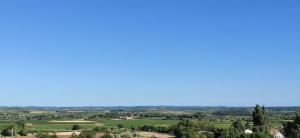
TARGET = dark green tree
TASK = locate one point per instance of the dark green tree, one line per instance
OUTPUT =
(76, 127)
(10, 131)
(23, 132)
(260, 120)
(238, 126)
(292, 129)
(185, 129)
(236, 130)
(221, 133)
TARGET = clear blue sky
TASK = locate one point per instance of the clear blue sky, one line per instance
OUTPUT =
(149, 52)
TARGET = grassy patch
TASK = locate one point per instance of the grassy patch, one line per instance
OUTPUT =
(59, 126)
(139, 122)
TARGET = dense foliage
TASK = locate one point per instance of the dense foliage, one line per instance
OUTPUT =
(76, 127)
(292, 129)
(260, 120)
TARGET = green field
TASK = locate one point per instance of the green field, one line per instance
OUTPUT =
(222, 124)
(139, 122)
(52, 126)
(47, 125)
(5, 125)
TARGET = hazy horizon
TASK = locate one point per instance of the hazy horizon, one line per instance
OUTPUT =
(109, 53)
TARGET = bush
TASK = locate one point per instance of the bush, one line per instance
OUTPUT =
(185, 129)
(23, 132)
(87, 134)
(120, 126)
(76, 127)
(292, 129)
(101, 129)
(7, 132)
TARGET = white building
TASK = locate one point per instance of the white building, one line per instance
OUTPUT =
(248, 131)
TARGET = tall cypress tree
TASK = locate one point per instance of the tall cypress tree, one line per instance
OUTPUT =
(260, 120)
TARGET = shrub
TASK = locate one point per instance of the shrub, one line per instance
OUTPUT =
(23, 132)
(7, 132)
(120, 126)
(76, 127)
(87, 134)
